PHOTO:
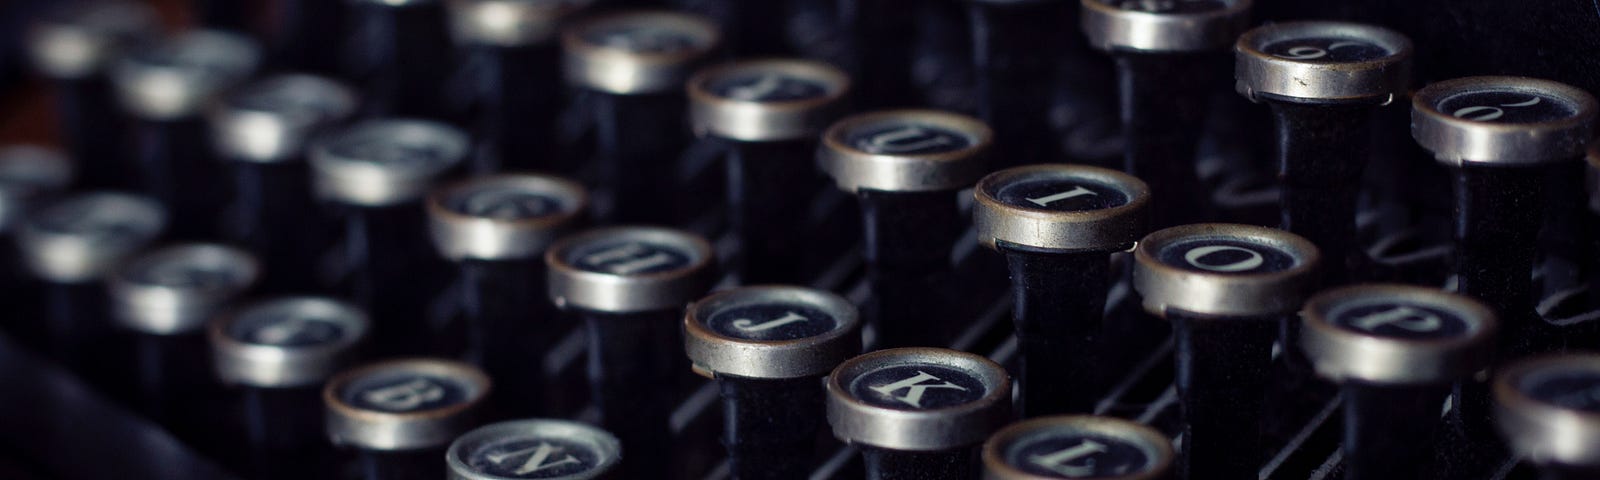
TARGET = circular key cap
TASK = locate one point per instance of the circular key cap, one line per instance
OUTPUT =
(180, 75)
(629, 269)
(917, 399)
(1396, 334)
(537, 448)
(1226, 270)
(287, 342)
(385, 162)
(1079, 446)
(80, 238)
(1322, 62)
(504, 217)
(405, 404)
(1164, 25)
(766, 100)
(637, 52)
(1502, 121)
(273, 119)
(29, 174)
(771, 332)
(1060, 208)
(905, 151)
(1548, 409)
(511, 23)
(175, 290)
(79, 39)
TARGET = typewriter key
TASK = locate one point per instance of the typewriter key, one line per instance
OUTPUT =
(1548, 409)
(536, 448)
(261, 132)
(632, 67)
(1077, 447)
(769, 113)
(515, 59)
(70, 246)
(918, 413)
(165, 297)
(401, 415)
(379, 172)
(1395, 350)
(1057, 226)
(1225, 288)
(495, 229)
(73, 46)
(905, 167)
(630, 285)
(1323, 82)
(1166, 54)
(1498, 135)
(166, 87)
(768, 348)
(1015, 48)
(404, 58)
(29, 177)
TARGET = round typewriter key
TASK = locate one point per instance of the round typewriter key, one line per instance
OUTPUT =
(536, 448)
(71, 245)
(1323, 82)
(1548, 410)
(73, 45)
(261, 132)
(29, 176)
(1016, 45)
(495, 229)
(768, 113)
(378, 172)
(1077, 447)
(278, 352)
(905, 168)
(517, 93)
(629, 284)
(401, 415)
(632, 66)
(768, 347)
(1500, 135)
(918, 412)
(1057, 226)
(1225, 288)
(1167, 54)
(404, 59)
(166, 86)
(1395, 350)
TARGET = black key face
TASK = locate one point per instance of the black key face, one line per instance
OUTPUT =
(1171, 6)
(1505, 107)
(404, 392)
(289, 100)
(629, 257)
(1565, 388)
(95, 222)
(1327, 50)
(1401, 320)
(530, 458)
(766, 87)
(287, 329)
(505, 203)
(917, 387)
(379, 149)
(177, 272)
(1060, 194)
(771, 322)
(1077, 455)
(1228, 256)
(643, 39)
(908, 139)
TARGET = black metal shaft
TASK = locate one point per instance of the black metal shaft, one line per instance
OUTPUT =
(1389, 429)
(75, 321)
(403, 55)
(1164, 101)
(769, 188)
(309, 36)
(93, 132)
(1497, 217)
(1015, 49)
(634, 362)
(421, 464)
(274, 215)
(285, 423)
(171, 375)
(639, 138)
(1222, 367)
(956, 464)
(390, 280)
(881, 33)
(1060, 301)
(176, 167)
(908, 240)
(1322, 150)
(517, 100)
(233, 15)
(770, 426)
(509, 328)
(756, 28)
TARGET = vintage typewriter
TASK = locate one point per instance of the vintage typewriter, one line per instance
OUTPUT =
(799, 239)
